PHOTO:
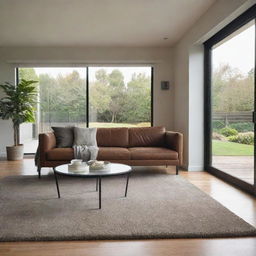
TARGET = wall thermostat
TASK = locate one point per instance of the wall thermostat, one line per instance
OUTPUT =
(165, 85)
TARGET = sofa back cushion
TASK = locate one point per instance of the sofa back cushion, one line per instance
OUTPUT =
(112, 137)
(146, 137)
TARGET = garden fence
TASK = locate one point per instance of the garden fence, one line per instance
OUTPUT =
(232, 117)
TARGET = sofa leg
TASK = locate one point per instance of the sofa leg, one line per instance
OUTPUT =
(177, 170)
(39, 172)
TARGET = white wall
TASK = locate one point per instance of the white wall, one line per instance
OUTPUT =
(188, 76)
(160, 58)
(196, 108)
(26, 132)
(7, 73)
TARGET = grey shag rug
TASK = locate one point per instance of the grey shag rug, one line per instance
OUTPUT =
(157, 206)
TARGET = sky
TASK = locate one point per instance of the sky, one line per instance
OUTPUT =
(238, 52)
(127, 71)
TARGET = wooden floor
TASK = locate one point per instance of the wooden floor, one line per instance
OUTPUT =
(237, 201)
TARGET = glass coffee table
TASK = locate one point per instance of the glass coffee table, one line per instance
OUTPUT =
(111, 170)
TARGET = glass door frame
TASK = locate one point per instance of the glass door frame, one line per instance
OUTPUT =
(242, 20)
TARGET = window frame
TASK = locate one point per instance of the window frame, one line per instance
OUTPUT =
(236, 24)
(87, 87)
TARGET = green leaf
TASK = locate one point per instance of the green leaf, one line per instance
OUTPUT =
(19, 101)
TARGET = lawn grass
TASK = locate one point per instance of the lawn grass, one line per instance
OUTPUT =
(111, 125)
(225, 148)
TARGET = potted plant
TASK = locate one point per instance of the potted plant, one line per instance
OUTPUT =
(18, 104)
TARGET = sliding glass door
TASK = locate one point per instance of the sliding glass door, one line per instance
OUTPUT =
(233, 103)
(230, 102)
(88, 97)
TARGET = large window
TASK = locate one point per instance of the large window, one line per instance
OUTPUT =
(230, 101)
(88, 97)
(119, 96)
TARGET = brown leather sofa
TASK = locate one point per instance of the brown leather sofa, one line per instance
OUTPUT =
(151, 146)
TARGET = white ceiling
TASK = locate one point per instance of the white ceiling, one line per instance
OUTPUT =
(97, 22)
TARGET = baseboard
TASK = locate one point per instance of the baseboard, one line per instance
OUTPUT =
(2, 155)
(195, 168)
(183, 168)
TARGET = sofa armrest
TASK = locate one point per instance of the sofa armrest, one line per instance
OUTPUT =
(174, 141)
(47, 141)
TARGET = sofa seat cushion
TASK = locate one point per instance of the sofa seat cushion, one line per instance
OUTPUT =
(63, 154)
(113, 153)
(153, 153)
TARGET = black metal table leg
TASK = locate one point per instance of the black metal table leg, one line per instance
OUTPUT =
(97, 183)
(177, 170)
(39, 171)
(57, 184)
(99, 192)
(127, 182)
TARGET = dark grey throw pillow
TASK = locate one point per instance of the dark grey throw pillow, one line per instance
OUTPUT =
(64, 136)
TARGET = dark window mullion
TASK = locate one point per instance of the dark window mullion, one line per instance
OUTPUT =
(254, 106)
(208, 107)
(152, 96)
(17, 76)
(87, 96)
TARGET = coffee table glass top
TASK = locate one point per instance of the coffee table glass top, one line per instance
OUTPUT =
(110, 170)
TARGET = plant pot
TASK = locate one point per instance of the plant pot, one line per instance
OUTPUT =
(15, 152)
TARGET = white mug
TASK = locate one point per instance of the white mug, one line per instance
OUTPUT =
(76, 161)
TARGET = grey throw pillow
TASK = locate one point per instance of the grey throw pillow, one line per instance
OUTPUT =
(85, 136)
(64, 136)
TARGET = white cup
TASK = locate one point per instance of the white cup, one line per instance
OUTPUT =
(76, 161)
